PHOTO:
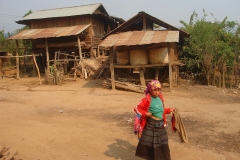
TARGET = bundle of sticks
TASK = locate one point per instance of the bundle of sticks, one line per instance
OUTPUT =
(5, 153)
(124, 85)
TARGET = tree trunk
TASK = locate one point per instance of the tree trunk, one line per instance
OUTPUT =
(214, 78)
(220, 80)
(223, 74)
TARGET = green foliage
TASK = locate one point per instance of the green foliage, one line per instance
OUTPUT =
(10, 45)
(211, 46)
(29, 12)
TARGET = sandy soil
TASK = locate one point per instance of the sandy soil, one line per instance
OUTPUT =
(82, 121)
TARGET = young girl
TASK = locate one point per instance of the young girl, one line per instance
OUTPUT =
(153, 139)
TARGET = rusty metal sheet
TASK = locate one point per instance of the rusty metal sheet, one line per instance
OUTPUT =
(50, 32)
(135, 38)
(63, 12)
(171, 36)
(140, 38)
(123, 38)
(160, 37)
(110, 41)
(147, 38)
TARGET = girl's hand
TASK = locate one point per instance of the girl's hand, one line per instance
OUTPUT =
(148, 114)
(172, 109)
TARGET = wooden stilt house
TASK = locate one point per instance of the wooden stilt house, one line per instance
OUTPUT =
(144, 45)
(71, 33)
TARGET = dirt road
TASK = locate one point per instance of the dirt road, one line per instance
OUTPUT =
(81, 121)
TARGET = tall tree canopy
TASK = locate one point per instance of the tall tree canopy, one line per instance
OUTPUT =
(212, 48)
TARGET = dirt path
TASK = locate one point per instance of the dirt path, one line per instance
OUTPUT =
(81, 121)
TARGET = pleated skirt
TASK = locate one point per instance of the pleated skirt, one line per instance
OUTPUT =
(153, 144)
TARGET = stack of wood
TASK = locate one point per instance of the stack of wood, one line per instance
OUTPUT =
(86, 55)
(103, 71)
(90, 67)
(9, 71)
(124, 85)
(5, 153)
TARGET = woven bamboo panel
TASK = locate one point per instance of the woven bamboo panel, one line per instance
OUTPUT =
(138, 57)
(158, 55)
(122, 57)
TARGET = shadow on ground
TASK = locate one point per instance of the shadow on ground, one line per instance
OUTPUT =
(93, 84)
(122, 149)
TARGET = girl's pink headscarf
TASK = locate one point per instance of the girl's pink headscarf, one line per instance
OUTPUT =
(154, 84)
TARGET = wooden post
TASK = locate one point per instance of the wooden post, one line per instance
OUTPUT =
(112, 51)
(98, 52)
(1, 72)
(47, 53)
(80, 53)
(39, 76)
(170, 51)
(75, 69)
(55, 61)
(174, 58)
(144, 23)
(17, 59)
(157, 73)
(79, 48)
(34, 70)
(91, 48)
(142, 79)
(91, 35)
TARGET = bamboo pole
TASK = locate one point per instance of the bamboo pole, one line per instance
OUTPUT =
(66, 44)
(18, 56)
(147, 65)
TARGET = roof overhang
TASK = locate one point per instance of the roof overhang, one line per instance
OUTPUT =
(132, 38)
(50, 32)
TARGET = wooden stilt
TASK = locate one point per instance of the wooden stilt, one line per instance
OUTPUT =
(17, 59)
(47, 53)
(112, 68)
(142, 79)
(80, 53)
(35, 63)
(170, 51)
(157, 73)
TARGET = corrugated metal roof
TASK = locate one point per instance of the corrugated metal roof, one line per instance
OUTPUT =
(50, 32)
(140, 38)
(63, 12)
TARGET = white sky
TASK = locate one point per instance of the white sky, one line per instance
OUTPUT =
(170, 11)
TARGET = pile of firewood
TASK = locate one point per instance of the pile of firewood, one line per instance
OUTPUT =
(91, 68)
(5, 153)
(103, 71)
(124, 85)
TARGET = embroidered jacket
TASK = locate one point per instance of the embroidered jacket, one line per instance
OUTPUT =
(142, 108)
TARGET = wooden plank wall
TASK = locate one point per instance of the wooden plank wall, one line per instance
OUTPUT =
(93, 39)
(60, 22)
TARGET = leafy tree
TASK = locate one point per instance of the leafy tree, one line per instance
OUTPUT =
(10, 45)
(209, 48)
